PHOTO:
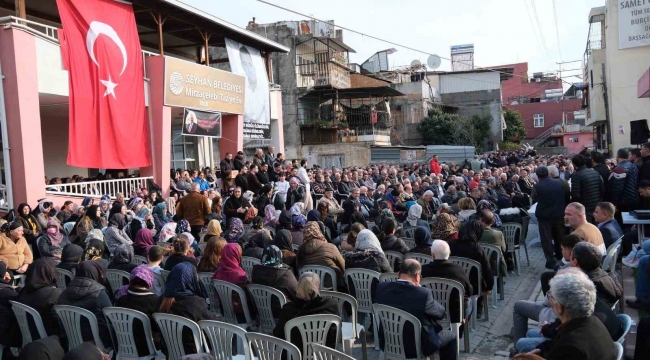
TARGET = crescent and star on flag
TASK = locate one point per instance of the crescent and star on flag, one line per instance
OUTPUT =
(98, 28)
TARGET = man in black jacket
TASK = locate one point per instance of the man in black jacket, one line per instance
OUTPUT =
(441, 267)
(598, 160)
(239, 162)
(421, 305)
(588, 257)
(269, 157)
(587, 187)
(550, 214)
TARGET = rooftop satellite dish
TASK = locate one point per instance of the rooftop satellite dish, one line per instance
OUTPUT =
(415, 63)
(433, 62)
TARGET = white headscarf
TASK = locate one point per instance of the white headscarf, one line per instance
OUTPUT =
(298, 209)
(366, 240)
(415, 211)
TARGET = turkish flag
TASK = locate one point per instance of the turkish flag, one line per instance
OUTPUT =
(108, 123)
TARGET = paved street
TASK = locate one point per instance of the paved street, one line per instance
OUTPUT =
(492, 336)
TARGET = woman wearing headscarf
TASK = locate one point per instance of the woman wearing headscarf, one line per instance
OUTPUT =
(42, 212)
(211, 259)
(160, 217)
(171, 205)
(367, 254)
(234, 205)
(322, 214)
(423, 241)
(138, 295)
(315, 250)
(98, 235)
(264, 198)
(306, 302)
(275, 273)
(96, 251)
(195, 250)
(51, 244)
(122, 259)
(71, 256)
(117, 208)
(214, 231)
(350, 241)
(185, 296)
(444, 228)
(31, 228)
(413, 217)
(467, 246)
(295, 194)
(270, 220)
(235, 230)
(14, 250)
(297, 225)
(115, 235)
(181, 249)
(356, 217)
(105, 208)
(141, 220)
(41, 294)
(167, 232)
(87, 291)
(143, 242)
(390, 242)
(298, 209)
(258, 239)
(284, 243)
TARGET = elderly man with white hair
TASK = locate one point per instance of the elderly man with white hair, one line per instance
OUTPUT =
(441, 267)
(429, 207)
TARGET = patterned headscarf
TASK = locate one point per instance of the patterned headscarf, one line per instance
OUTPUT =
(142, 272)
(134, 202)
(269, 215)
(123, 254)
(298, 209)
(160, 212)
(235, 230)
(366, 240)
(272, 256)
(298, 222)
(444, 227)
(94, 249)
(182, 226)
(308, 286)
(168, 231)
(311, 232)
(57, 238)
(184, 281)
(190, 238)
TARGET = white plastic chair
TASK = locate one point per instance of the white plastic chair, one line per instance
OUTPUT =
(468, 265)
(321, 271)
(361, 280)
(620, 350)
(324, 353)
(263, 297)
(350, 330)
(423, 259)
(171, 327)
(21, 311)
(509, 233)
(409, 242)
(139, 260)
(61, 276)
(617, 242)
(392, 323)
(219, 336)
(224, 291)
(121, 321)
(116, 278)
(609, 264)
(271, 348)
(392, 277)
(409, 231)
(442, 290)
(313, 329)
(491, 251)
(247, 264)
(393, 256)
(206, 279)
(70, 318)
(627, 324)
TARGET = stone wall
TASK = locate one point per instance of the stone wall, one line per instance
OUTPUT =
(351, 154)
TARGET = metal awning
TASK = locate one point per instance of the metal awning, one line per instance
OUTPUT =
(353, 93)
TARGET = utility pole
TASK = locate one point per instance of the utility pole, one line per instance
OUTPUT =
(608, 127)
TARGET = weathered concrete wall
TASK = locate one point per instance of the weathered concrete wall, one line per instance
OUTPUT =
(478, 103)
(409, 134)
(352, 154)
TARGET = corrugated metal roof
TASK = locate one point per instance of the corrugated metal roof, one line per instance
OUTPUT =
(455, 83)
(385, 155)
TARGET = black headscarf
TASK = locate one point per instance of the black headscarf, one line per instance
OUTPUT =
(116, 209)
(20, 210)
(72, 253)
(94, 249)
(313, 215)
(40, 274)
(93, 269)
(118, 221)
(283, 240)
(285, 221)
(91, 212)
(47, 348)
(260, 240)
(279, 204)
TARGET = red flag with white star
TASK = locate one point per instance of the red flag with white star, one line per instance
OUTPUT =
(108, 123)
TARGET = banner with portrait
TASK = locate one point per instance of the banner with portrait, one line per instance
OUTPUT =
(247, 61)
(201, 123)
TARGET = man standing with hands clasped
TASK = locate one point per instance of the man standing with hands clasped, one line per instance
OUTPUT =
(194, 207)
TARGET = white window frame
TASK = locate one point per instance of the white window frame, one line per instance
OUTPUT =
(537, 117)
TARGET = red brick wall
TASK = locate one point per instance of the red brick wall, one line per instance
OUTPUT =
(552, 113)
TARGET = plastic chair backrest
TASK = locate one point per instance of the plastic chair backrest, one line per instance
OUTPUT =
(116, 278)
(271, 348)
(224, 291)
(67, 227)
(61, 276)
(321, 352)
(409, 242)
(341, 299)
(21, 311)
(409, 231)
(423, 259)
(609, 264)
(615, 243)
(509, 233)
(468, 265)
(247, 264)
(392, 277)
(392, 321)
(620, 350)
(442, 290)
(139, 260)
(206, 279)
(121, 320)
(393, 256)
(70, 318)
(165, 274)
(491, 251)
(313, 329)
(171, 327)
(321, 271)
(219, 336)
(627, 324)
(263, 297)
(362, 282)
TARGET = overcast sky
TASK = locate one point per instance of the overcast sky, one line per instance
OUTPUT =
(501, 30)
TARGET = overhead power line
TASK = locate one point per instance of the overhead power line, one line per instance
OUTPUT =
(557, 31)
(389, 41)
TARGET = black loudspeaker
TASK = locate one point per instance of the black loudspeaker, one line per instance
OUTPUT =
(639, 132)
